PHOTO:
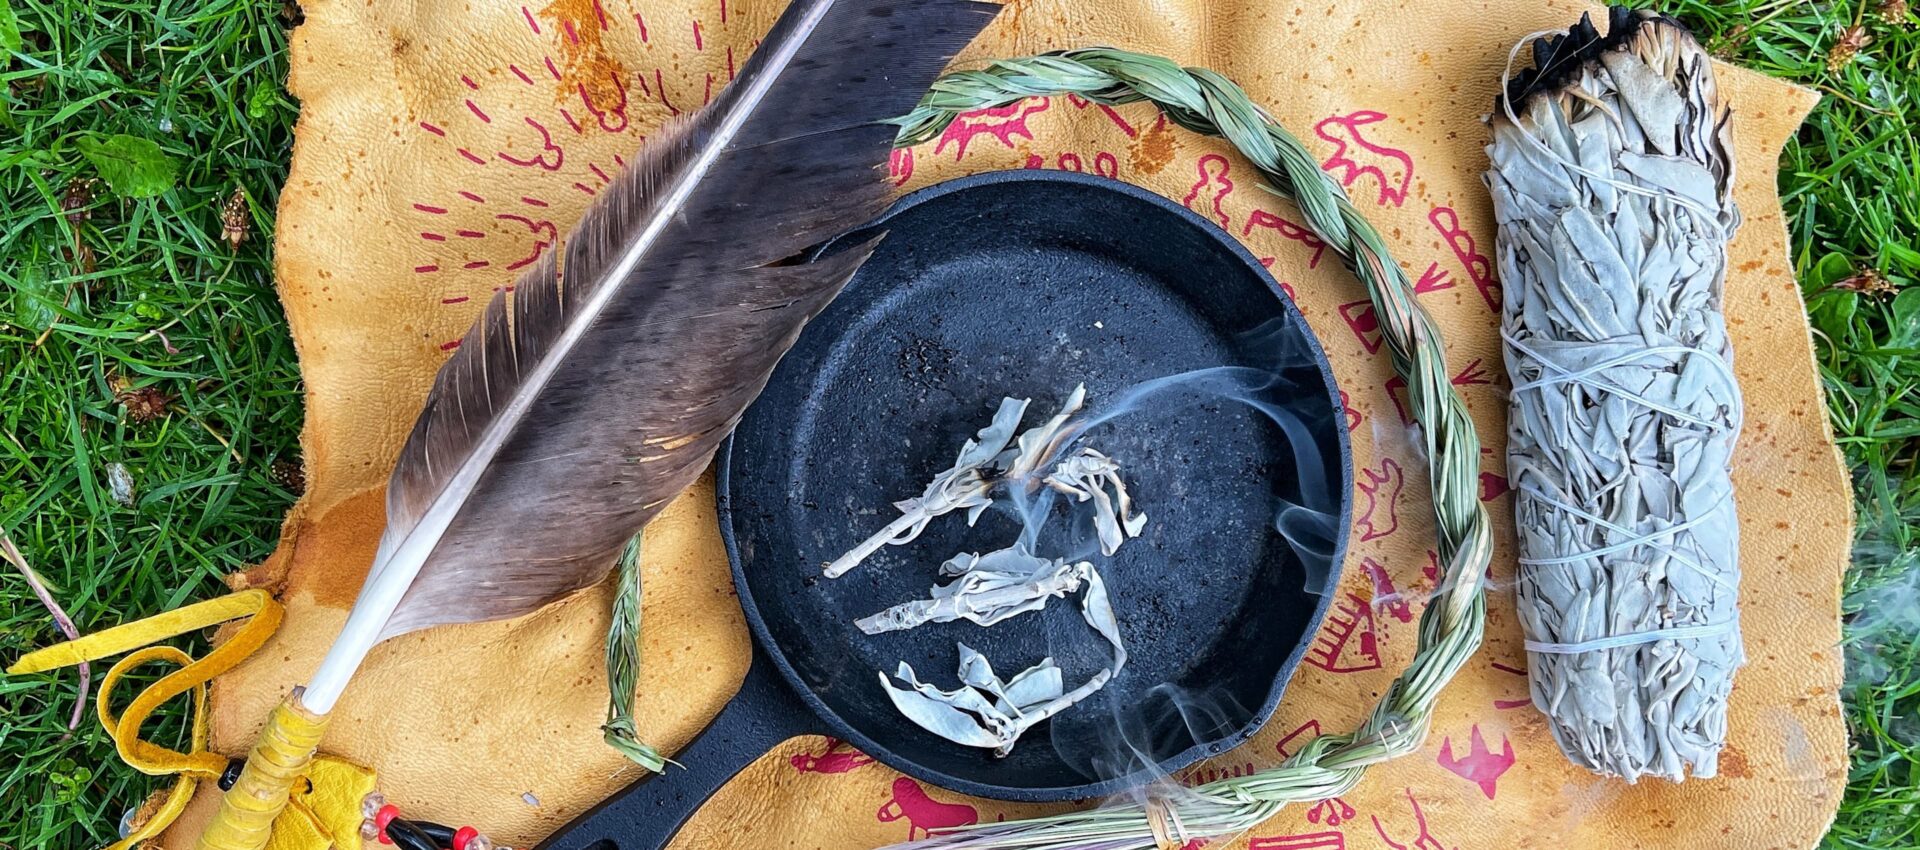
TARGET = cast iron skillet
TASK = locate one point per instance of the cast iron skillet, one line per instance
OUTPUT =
(1022, 283)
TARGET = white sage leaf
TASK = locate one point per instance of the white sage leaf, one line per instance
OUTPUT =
(1090, 475)
(988, 589)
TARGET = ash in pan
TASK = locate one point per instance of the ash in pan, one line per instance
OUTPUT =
(986, 711)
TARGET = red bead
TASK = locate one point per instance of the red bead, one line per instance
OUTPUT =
(463, 835)
(383, 817)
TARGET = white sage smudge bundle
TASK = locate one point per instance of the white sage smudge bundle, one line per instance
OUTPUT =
(1611, 177)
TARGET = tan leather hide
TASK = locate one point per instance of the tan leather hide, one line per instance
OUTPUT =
(444, 144)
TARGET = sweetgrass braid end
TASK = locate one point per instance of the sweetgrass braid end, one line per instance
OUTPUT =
(1451, 627)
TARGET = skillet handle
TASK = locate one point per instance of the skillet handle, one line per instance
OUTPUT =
(649, 813)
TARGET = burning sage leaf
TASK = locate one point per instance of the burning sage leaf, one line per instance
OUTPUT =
(985, 463)
(1089, 475)
(990, 588)
(1611, 178)
(963, 485)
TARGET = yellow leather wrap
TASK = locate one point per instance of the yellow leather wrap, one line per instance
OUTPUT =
(278, 760)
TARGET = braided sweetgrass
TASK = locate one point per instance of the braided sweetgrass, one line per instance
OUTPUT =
(1450, 628)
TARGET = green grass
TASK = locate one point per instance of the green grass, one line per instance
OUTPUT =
(1851, 183)
(202, 80)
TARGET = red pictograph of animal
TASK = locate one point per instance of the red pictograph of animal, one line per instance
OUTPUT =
(835, 756)
(1481, 766)
(1355, 156)
(922, 813)
(1347, 644)
(1380, 494)
(1001, 123)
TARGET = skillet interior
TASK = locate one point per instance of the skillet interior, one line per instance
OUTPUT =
(1025, 284)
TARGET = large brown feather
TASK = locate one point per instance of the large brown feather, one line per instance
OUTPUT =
(539, 477)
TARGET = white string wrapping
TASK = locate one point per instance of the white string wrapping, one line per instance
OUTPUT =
(1611, 186)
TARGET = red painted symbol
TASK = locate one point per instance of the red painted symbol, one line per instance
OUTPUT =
(544, 236)
(900, 165)
(548, 159)
(1385, 595)
(1333, 810)
(838, 757)
(1472, 374)
(1364, 323)
(1104, 164)
(1306, 841)
(1118, 121)
(660, 83)
(1467, 251)
(1493, 486)
(1213, 181)
(1434, 279)
(1347, 644)
(1480, 766)
(1354, 155)
(1381, 489)
(1004, 123)
(1299, 737)
(1346, 404)
(1422, 840)
(612, 118)
(1509, 704)
(922, 813)
(1287, 230)
(1432, 569)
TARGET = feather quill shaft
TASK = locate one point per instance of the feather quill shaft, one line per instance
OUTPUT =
(573, 413)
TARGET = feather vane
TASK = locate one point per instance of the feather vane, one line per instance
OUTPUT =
(575, 409)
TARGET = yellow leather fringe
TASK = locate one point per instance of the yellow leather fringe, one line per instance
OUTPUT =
(330, 804)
